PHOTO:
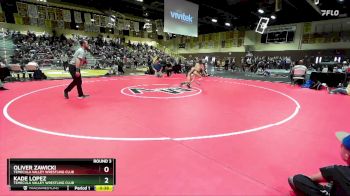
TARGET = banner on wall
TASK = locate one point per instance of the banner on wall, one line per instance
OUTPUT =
(136, 26)
(41, 22)
(126, 25)
(104, 20)
(97, 19)
(77, 17)
(33, 11)
(272, 29)
(67, 16)
(87, 18)
(2, 17)
(110, 23)
(120, 24)
(59, 14)
(22, 9)
(42, 12)
(307, 27)
(51, 13)
(18, 19)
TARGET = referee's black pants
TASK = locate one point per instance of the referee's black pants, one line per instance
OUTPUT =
(76, 81)
(303, 185)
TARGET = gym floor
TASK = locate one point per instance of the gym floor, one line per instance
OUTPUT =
(222, 137)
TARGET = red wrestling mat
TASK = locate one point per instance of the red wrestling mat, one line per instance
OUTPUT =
(223, 136)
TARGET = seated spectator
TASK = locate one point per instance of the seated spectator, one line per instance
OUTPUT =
(168, 68)
(158, 68)
(337, 177)
(300, 66)
(2, 86)
(4, 72)
(343, 91)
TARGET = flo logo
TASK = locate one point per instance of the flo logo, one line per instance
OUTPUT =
(160, 91)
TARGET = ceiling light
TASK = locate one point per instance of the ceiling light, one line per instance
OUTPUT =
(139, 0)
(92, 20)
(261, 11)
(273, 17)
(227, 24)
(77, 26)
(214, 20)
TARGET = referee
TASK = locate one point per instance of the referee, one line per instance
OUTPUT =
(79, 59)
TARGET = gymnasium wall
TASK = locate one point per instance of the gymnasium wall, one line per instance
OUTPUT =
(313, 36)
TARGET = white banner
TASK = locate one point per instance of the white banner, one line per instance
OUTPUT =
(126, 25)
(272, 29)
(136, 26)
(97, 19)
(33, 11)
(67, 16)
(87, 18)
(77, 17)
(120, 24)
(109, 21)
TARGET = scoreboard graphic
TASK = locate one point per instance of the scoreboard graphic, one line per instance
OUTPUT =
(61, 174)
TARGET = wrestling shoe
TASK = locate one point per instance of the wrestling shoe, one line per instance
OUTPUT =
(83, 97)
(66, 95)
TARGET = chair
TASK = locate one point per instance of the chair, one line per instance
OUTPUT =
(16, 69)
(299, 74)
(31, 67)
(325, 70)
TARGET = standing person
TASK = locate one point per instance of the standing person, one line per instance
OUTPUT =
(79, 59)
(120, 67)
(64, 61)
(197, 70)
(337, 177)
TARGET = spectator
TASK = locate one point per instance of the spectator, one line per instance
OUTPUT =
(64, 61)
(4, 72)
(158, 68)
(168, 68)
(120, 67)
(343, 91)
(300, 65)
(337, 177)
(2, 86)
